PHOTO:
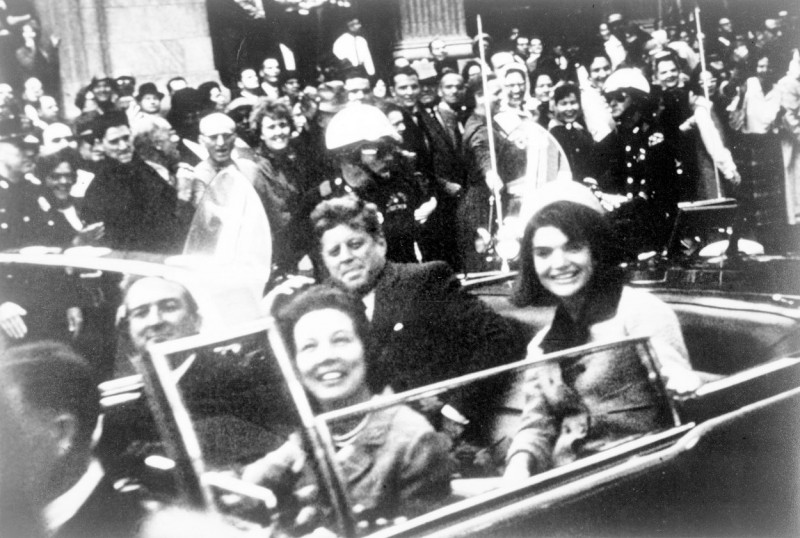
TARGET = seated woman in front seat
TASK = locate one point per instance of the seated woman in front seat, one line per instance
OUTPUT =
(392, 460)
(575, 407)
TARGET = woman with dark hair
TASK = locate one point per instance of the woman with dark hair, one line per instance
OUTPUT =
(213, 98)
(471, 71)
(569, 129)
(577, 407)
(393, 462)
(542, 81)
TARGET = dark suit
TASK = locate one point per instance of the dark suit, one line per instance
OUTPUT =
(448, 163)
(138, 207)
(428, 329)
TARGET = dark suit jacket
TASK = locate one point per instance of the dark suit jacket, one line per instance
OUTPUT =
(448, 158)
(428, 329)
(138, 207)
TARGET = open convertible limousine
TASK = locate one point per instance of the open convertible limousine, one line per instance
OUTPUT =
(724, 461)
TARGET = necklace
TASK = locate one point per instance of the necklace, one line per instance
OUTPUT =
(347, 438)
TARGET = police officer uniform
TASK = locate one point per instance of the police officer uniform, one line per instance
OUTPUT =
(24, 215)
(27, 218)
(640, 163)
(396, 197)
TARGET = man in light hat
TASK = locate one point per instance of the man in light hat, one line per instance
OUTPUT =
(638, 164)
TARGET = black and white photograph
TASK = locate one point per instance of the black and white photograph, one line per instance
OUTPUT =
(399, 268)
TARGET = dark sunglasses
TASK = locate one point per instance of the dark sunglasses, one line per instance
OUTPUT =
(377, 150)
(618, 97)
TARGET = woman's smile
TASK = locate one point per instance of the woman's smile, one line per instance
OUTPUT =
(564, 267)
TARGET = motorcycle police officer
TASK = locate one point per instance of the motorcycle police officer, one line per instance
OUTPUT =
(367, 149)
(639, 172)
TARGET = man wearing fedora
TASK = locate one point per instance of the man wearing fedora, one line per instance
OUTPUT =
(149, 98)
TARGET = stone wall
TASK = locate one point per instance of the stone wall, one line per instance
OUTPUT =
(152, 40)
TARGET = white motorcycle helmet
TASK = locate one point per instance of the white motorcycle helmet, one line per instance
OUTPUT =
(358, 123)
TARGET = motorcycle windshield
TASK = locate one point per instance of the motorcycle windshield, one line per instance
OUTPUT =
(230, 226)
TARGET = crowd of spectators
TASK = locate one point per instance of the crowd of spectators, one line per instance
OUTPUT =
(674, 127)
(642, 117)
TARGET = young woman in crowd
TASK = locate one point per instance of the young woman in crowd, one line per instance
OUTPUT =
(542, 82)
(569, 129)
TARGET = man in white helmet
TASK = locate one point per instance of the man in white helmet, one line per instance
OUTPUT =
(639, 172)
(365, 146)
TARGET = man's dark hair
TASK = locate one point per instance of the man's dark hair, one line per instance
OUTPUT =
(406, 70)
(243, 69)
(354, 72)
(47, 163)
(563, 90)
(112, 83)
(85, 125)
(112, 118)
(667, 56)
(595, 54)
(349, 210)
(52, 377)
(286, 76)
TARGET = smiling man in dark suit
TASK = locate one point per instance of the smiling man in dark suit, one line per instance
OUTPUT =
(426, 327)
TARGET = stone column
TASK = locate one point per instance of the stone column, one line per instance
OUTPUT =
(152, 40)
(423, 20)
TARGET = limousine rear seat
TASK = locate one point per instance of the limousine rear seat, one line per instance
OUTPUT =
(723, 335)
